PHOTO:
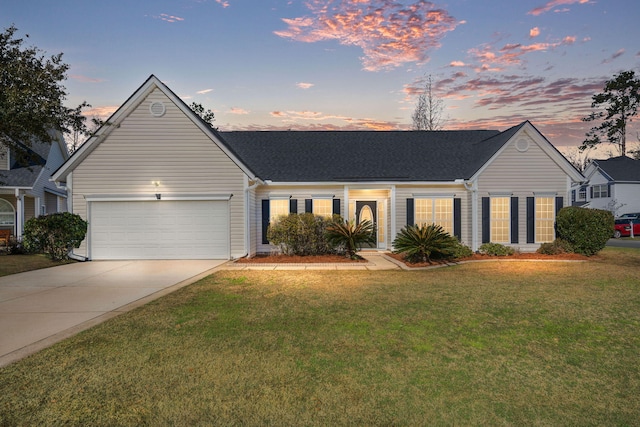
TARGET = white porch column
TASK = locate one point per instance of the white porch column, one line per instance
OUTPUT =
(346, 202)
(36, 206)
(19, 214)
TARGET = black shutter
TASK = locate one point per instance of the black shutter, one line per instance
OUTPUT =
(531, 220)
(608, 190)
(410, 218)
(515, 232)
(591, 191)
(559, 204)
(293, 206)
(457, 218)
(336, 206)
(486, 220)
(265, 220)
(308, 205)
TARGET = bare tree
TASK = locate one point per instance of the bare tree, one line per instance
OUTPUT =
(580, 159)
(428, 112)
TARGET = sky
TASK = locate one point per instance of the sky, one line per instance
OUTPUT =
(344, 64)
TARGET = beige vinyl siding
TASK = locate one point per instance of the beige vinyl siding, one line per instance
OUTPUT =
(522, 174)
(294, 192)
(458, 191)
(170, 150)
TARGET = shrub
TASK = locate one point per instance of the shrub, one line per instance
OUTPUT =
(496, 249)
(420, 243)
(558, 246)
(55, 234)
(348, 235)
(586, 230)
(461, 251)
(300, 234)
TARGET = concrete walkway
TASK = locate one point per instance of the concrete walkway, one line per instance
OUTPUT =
(375, 261)
(41, 307)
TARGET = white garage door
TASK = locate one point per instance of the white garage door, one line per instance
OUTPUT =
(159, 230)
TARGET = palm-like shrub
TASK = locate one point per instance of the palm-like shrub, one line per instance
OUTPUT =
(421, 242)
(350, 236)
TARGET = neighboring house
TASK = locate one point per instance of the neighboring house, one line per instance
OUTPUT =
(25, 187)
(158, 182)
(612, 184)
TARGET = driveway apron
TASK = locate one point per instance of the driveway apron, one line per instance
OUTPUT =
(39, 308)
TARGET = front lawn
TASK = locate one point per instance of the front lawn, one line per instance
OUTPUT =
(500, 343)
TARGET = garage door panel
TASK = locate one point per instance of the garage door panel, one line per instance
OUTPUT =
(160, 230)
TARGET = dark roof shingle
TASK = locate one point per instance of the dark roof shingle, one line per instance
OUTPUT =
(621, 168)
(330, 156)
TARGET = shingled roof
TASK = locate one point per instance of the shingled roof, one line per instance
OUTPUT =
(620, 168)
(343, 156)
(25, 172)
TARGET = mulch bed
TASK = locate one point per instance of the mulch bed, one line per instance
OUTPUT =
(480, 257)
(295, 259)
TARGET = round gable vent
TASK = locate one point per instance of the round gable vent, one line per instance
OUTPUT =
(157, 109)
(522, 144)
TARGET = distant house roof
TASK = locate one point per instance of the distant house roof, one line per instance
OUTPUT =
(326, 156)
(620, 168)
(24, 171)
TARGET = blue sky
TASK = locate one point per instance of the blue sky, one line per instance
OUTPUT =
(338, 64)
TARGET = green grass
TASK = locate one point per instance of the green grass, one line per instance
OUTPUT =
(500, 343)
(12, 264)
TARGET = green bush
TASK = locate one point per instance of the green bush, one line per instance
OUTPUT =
(496, 249)
(461, 251)
(421, 242)
(349, 236)
(558, 246)
(300, 234)
(586, 230)
(55, 234)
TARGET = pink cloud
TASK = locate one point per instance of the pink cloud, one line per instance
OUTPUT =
(169, 18)
(457, 64)
(102, 112)
(389, 32)
(303, 85)
(202, 92)
(613, 57)
(511, 53)
(223, 3)
(534, 32)
(554, 3)
(237, 110)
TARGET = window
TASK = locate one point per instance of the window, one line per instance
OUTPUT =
(323, 207)
(545, 217)
(437, 211)
(7, 214)
(582, 194)
(278, 208)
(599, 191)
(500, 219)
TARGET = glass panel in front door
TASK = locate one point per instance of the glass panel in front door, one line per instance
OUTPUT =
(366, 211)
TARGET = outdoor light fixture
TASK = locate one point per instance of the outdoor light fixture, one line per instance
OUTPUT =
(158, 196)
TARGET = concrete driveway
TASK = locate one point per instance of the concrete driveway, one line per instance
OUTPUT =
(41, 307)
